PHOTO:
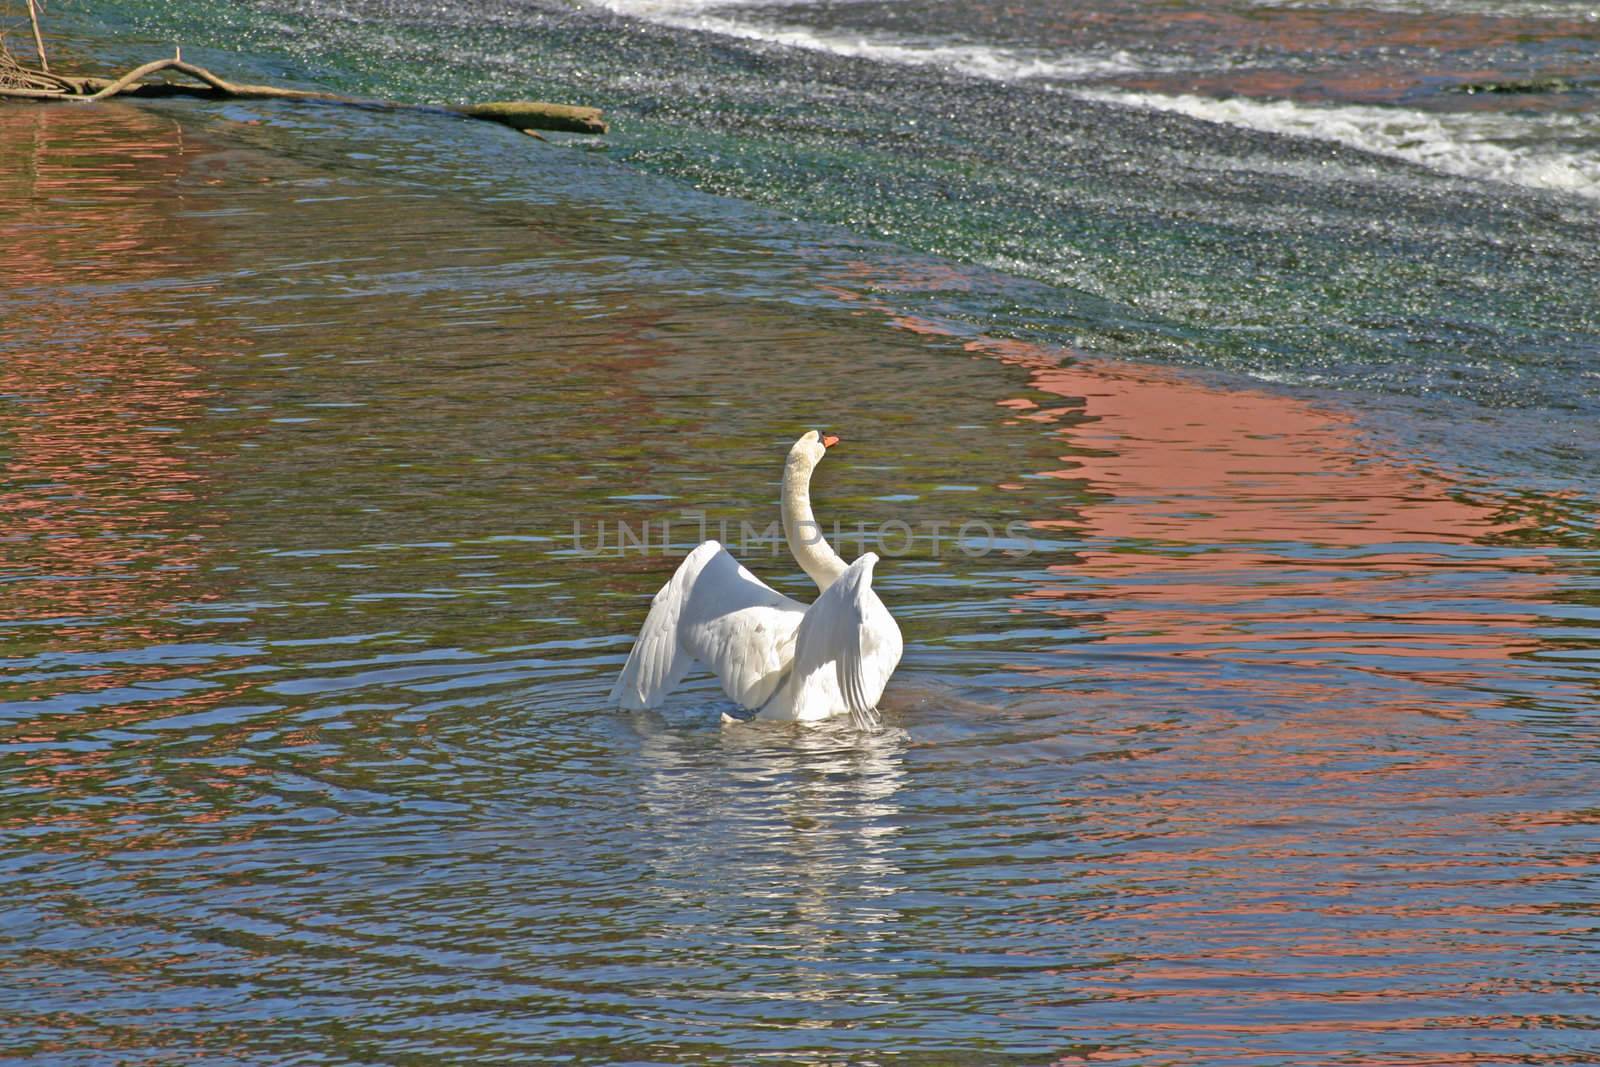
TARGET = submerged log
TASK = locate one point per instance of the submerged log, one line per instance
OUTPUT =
(526, 115)
(531, 115)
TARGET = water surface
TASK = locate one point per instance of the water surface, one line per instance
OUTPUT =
(1270, 742)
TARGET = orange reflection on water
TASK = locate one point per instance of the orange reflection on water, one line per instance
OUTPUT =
(100, 378)
(1254, 526)
(107, 516)
(1233, 465)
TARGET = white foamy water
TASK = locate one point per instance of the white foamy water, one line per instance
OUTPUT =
(1585, 10)
(1528, 150)
(1522, 149)
(977, 60)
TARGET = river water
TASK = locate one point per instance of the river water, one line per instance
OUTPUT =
(1219, 387)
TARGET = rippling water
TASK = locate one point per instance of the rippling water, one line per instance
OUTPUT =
(1271, 741)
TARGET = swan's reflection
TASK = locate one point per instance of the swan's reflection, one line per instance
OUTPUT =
(787, 835)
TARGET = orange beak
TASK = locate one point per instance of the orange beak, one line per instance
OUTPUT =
(829, 440)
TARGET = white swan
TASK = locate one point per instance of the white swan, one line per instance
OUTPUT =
(788, 661)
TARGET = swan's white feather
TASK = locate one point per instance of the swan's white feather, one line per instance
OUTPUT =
(741, 628)
(846, 648)
(658, 663)
(714, 611)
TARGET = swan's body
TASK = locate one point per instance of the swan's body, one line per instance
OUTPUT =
(786, 660)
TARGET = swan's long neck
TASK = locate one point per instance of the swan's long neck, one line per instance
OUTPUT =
(802, 530)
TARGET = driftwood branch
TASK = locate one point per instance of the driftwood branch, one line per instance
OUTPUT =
(38, 38)
(526, 115)
(176, 63)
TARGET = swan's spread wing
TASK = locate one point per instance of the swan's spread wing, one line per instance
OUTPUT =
(741, 628)
(714, 611)
(658, 663)
(848, 646)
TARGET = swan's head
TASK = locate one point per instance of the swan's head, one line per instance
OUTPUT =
(811, 447)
